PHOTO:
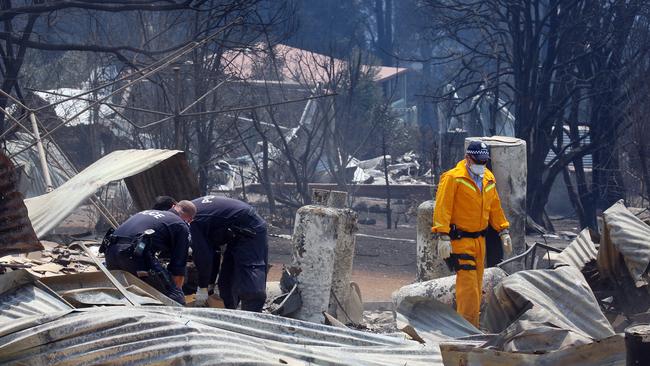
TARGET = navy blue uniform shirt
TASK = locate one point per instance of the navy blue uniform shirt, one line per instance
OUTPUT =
(214, 214)
(172, 235)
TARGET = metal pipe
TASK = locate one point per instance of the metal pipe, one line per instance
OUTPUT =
(41, 154)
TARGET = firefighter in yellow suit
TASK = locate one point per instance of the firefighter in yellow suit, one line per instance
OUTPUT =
(466, 203)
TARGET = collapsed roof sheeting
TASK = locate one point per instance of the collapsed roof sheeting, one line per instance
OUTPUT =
(431, 320)
(48, 210)
(16, 232)
(32, 182)
(94, 288)
(172, 176)
(626, 234)
(22, 296)
(557, 300)
(581, 251)
(167, 335)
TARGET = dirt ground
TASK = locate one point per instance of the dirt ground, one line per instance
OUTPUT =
(380, 266)
(383, 266)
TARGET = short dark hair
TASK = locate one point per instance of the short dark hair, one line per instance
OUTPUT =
(164, 203)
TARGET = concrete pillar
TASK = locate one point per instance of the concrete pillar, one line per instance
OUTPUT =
(323, 253)
(429, 266)
(508, 159)
(444, 289)
(343, 262)
(314, 253)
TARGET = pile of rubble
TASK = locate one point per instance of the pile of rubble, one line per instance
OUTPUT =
(57, 308)
(404, 170)
(572, 312)
(56, 259)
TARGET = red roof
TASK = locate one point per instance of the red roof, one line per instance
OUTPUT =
(295, 65)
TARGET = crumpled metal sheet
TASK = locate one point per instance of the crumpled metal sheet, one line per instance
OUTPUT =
(16, 232)
(557, 299)
(431, 321)
(172, 176)
(22, 296)
(581, 251)
(106, 296)
(626, 234)
(197, 336)
(536, 331)
(94, 288)
(48, 210)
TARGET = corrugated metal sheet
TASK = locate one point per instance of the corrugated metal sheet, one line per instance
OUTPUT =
(48, 210)
(626, 234)
(557, 299)
(432, 320)
(172, 177)
(32, 181)
(193, 336)
(16, 232)
(581, 251)
(22, 296)
(94, 288)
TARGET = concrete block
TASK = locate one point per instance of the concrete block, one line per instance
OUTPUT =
(429, 266)
(444, 289)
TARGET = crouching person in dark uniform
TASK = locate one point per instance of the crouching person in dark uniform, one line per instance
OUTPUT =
(133, 246)
(242, 276)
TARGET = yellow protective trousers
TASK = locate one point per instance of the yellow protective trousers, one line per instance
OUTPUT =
(469, 283)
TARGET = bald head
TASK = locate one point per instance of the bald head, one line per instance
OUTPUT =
(186, 210)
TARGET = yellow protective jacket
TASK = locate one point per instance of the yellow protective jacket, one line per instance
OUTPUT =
(459, 201)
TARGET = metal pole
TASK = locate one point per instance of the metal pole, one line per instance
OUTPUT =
(178, 136)
(41, 154)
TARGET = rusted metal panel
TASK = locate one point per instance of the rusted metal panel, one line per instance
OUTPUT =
(16, 232)
(172, 177)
